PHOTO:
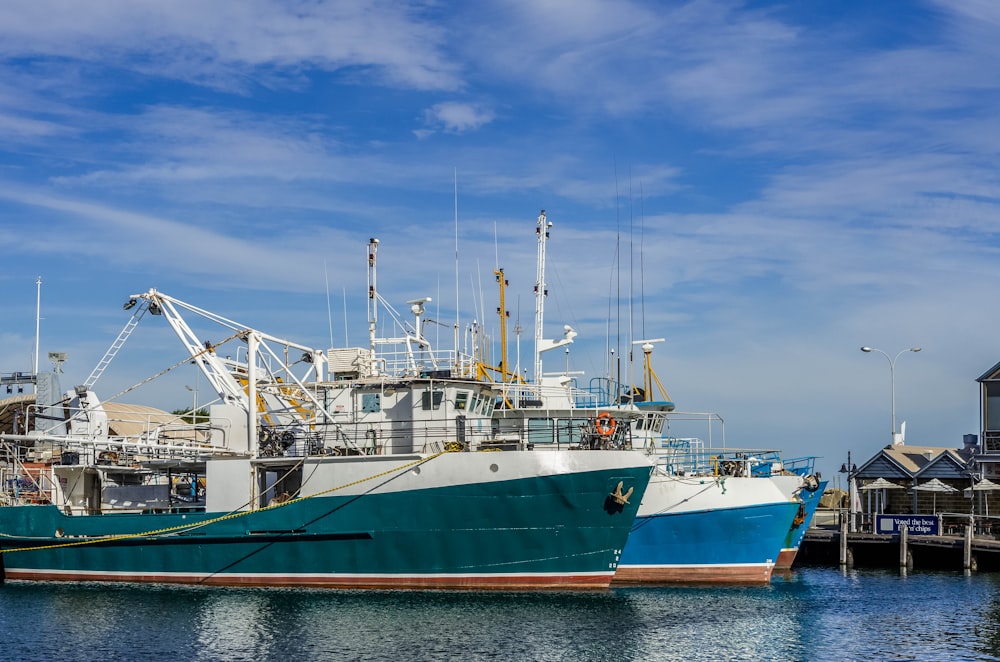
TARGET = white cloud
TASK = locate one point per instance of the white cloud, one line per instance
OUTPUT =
(228, 43)
(457, 117)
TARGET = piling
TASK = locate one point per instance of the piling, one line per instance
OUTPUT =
(905, 560)
(968, 560)
(843, 542)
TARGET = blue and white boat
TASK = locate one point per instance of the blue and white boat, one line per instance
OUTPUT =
(706, 519)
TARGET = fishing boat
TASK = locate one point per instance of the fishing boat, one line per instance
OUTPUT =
(342, 468)
(705, 519)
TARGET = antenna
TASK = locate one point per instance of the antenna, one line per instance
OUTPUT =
(457, 321)
(329, 310)
(38, 323)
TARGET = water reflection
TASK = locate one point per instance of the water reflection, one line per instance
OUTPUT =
(238, 629)
(815, 614)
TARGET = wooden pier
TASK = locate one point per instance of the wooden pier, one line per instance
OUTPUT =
(959, 548)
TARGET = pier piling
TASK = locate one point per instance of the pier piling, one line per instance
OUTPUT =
(843, 543)
(905, 559)
(968, 560)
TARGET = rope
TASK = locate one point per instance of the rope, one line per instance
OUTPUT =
(221, 518)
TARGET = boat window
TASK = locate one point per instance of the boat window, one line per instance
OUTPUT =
(461, 398)
(371, 402)
(556, 430)
(431, 399)
(540, 431)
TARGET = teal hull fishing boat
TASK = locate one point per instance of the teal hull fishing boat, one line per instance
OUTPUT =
(334, 470)
(517, 520)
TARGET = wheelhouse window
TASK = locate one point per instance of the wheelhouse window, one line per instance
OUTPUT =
(461, 400)
(371, 402)
(431, 399)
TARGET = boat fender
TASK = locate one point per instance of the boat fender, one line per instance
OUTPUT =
(605, 424)
(811, 483)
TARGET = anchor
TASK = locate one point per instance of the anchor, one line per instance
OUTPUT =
(621, 499)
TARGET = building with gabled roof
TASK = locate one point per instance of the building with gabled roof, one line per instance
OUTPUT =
(910, 466)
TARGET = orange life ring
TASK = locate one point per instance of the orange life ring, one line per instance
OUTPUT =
(605, 424)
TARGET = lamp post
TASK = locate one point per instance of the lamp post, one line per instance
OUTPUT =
(850, 469)
(194, 406)
(892, 381)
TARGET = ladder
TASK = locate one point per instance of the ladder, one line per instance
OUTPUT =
(116, 345)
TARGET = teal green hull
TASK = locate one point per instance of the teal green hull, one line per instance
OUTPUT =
(556, 531)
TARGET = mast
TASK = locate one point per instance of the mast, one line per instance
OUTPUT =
(503, 314)
(457, 320)
(372, 293)
(542, 230)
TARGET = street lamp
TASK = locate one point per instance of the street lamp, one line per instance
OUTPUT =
(892, 380)
(850, 469)
(194, 406)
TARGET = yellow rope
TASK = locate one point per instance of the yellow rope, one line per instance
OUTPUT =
(233, 515)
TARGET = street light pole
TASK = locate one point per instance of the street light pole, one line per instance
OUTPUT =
(852, 491)
(892, 381)
(194, 404)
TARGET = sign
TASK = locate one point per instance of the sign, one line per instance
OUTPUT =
(916, 525)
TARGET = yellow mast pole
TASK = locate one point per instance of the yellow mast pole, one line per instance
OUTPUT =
(504, 314)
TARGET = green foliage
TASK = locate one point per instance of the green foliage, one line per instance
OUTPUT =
(200, 416)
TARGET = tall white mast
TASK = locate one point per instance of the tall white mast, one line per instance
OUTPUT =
(542, 230)
(372, 293)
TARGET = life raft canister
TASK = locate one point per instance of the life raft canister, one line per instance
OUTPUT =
(800, 516)
(605, 424)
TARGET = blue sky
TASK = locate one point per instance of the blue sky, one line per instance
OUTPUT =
(771, 185)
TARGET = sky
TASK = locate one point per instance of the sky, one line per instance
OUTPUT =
(767, 186)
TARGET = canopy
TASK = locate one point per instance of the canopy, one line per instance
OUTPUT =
(982, 486)
(883, 484)
(935, 485)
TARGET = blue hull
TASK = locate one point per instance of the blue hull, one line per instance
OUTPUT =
(727, 545)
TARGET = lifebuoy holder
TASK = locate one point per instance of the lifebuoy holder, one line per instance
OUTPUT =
(605, 424)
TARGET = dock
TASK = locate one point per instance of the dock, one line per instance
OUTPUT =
(969, 547)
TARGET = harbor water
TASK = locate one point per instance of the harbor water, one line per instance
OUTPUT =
(811, 614)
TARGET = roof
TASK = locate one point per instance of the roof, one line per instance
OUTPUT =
(129, 420)
(912, 461)
(124, 419)
(991, 374)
